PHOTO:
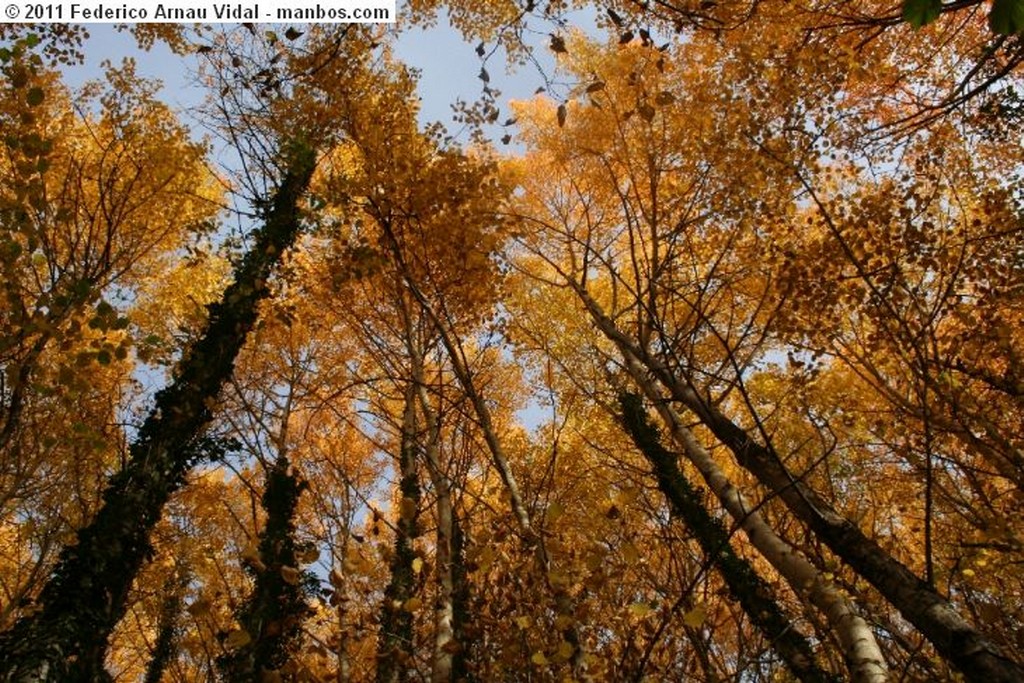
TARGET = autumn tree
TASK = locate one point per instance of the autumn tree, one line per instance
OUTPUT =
(77, 616)
(80, 235)
(661, 254)
(715, 376)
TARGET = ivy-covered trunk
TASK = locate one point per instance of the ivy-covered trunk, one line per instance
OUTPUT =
(168, 627)
(271, 620)
(65, 640)
(395, 638)
(461, 616)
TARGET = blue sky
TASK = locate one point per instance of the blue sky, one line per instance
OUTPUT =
(449, 69)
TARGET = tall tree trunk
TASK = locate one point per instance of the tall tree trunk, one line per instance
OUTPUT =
(395, 638)
(444, 635)
(167, 627)
(953, 637)
(743, 581)
(66, 640)
(456, 355)
(460, 602)
(273, 616)
(860, 649)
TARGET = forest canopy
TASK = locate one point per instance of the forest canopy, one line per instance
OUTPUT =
(704, 363)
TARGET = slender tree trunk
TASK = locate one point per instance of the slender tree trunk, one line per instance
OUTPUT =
(457, 357)
(395, 639)
(339, 599)
(66, 640)
(743, 581)
(860, 649)
(167, 627)
(460, 602)
(955, 639)
(273, 616)
(444, 634)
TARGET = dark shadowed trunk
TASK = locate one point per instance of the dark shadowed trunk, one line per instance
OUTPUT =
(461, 617)
(168, 627)
(395, 639)
(749, 589)
(273, 616)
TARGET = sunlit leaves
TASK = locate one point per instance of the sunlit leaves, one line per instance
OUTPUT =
(237, 639)
(717, 197)
(695, 617)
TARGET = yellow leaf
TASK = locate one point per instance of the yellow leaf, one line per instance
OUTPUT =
(640, 609)
(199, 607)
(309, 555)
(417, 565)
(290, 575)
(523, 622)
(555, 510)
(565, 650)
(251, 552)
(485, 559)
(563, 621)
(407, 508)
(412, 604)
(696, 616)
(630, 553)
(627, 496)
(237, 638)
(539, 659)
(559, 579)
(355, 563)
(594, 559)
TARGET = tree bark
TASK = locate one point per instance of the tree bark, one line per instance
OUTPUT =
(860, 649)
(444, 634)
(274, 613)
(499, 458)
(168, 627)
(395, 638)
(461, 616)
(743, 581)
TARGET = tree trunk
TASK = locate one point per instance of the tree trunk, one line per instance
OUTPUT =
(66, 640)
(460, 602)
(499, 458)
(743, 581)
(860, 649)
(273, 616)
(955, 639)
(167, 627)
(444, 635)
(395, 639)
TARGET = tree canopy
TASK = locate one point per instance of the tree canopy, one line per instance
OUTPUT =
(714, 374)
